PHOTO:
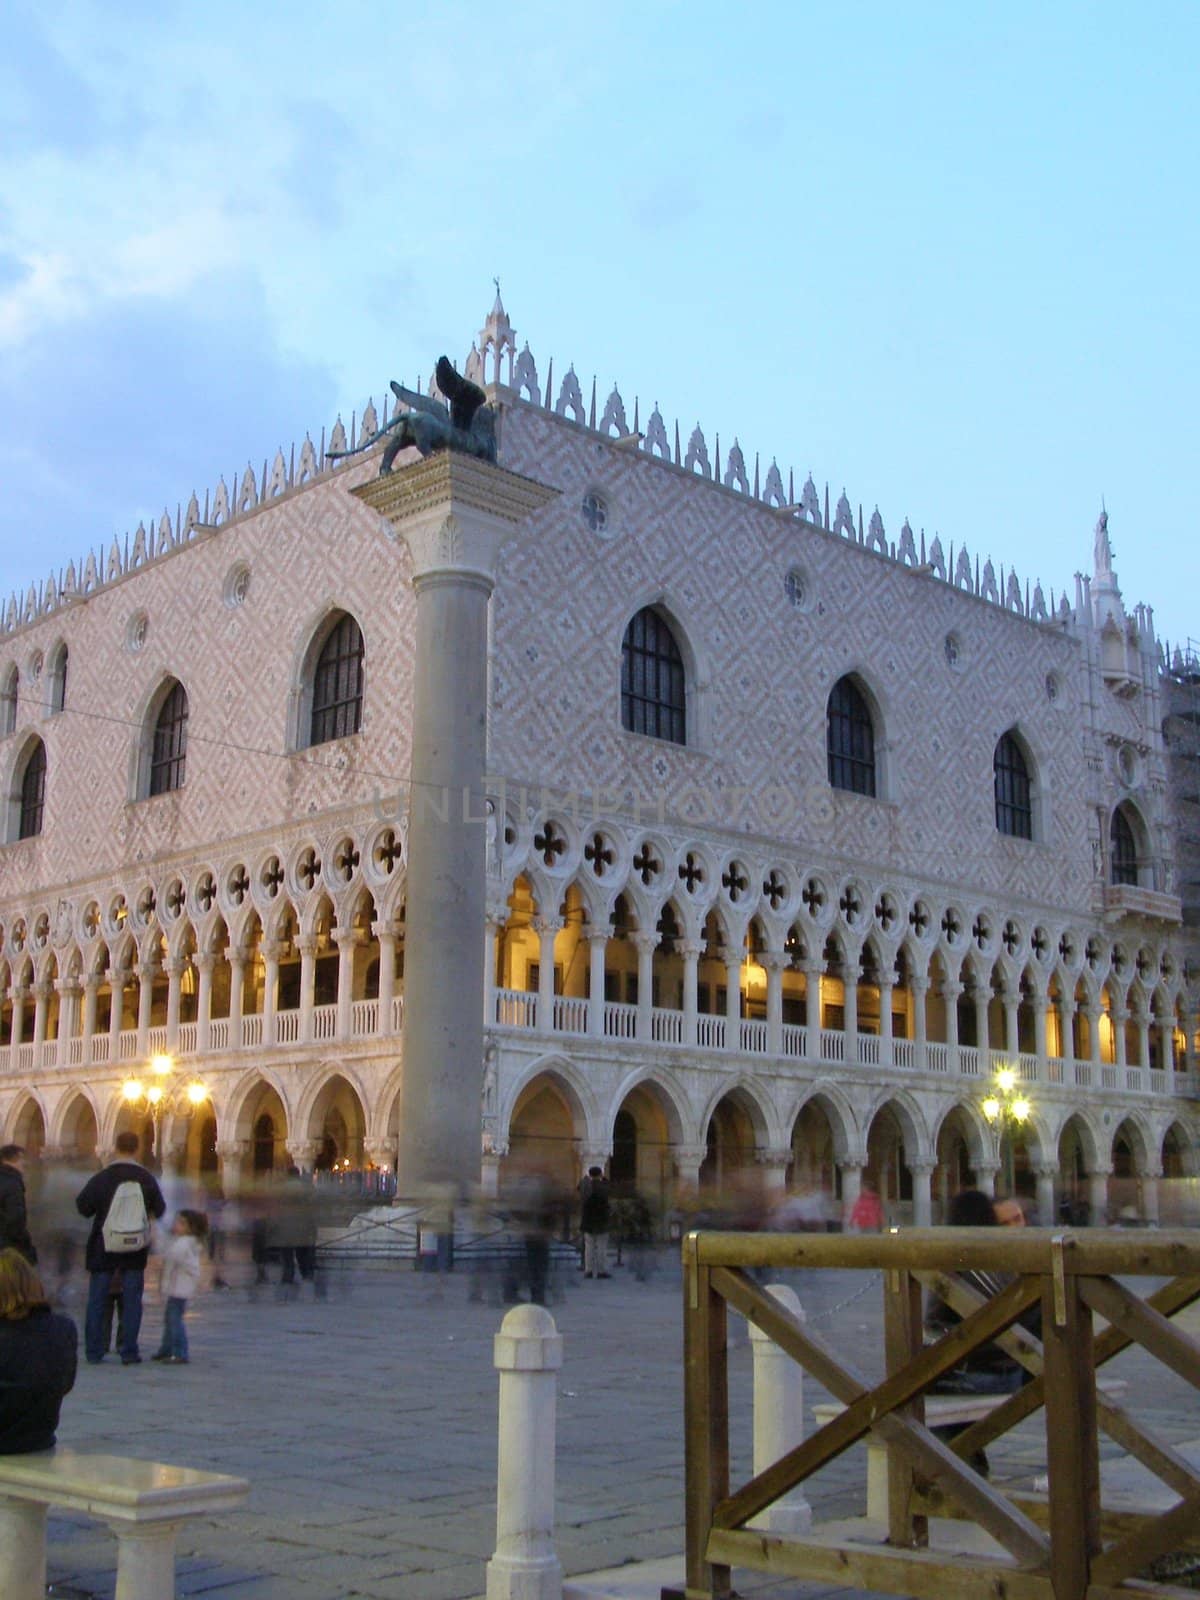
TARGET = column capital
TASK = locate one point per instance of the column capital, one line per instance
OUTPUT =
(779, 1156)
(237, 955)
(348, 938)
(43, 988)
(93, 980)
(690, 949)
(205, 960)
(306, 944)
(175, 966)
(385, 930)
(19, 992)
(270, 949)
(595, 935)
(546, 927)
(950, 989)
(68, 984)
(925, 1166)
(1100, 1170)
(642, 940)
(774, 960)
(147, 971)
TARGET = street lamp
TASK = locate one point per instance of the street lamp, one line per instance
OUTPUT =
(160, 1093)
(1007, 1111)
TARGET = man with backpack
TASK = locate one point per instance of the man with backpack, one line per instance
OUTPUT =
(121, 1200)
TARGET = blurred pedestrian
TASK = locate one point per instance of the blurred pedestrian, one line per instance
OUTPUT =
(866, 1214)
(594, 1219)
(14, 1217)
(180, 1280)
(292, 1231)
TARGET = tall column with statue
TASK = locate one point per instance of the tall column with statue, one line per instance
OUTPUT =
(454, 509)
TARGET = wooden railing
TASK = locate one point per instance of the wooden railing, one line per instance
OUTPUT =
(1057, 1546)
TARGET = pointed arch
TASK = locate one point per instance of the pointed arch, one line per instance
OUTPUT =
(328, 687)
(25, 797)
(853, 736)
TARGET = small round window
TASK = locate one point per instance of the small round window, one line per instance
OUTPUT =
(136, 630)
(594, 510)
(795, 588)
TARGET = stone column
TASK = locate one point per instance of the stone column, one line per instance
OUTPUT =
(951, 990)
(1012, 1021)
(1066, 1035)
(918, 988)
(1119, 1016)
(597, 940)
(303, 1153)
(174, 974)
(546, 929)
(851, 1172)
(237, 993)
(646, 944)
(117, 978)
(689, 950)
(145, 974)
(981, 994)
(886, 1043)
(850, 971)
(773, 1164)
(493, 1154)
(270, 955)
(347, 944)
(528, 1356)
(91, 990)
(307, 947)
(454, 512)
(688, 1159)
(1142, 1018)
(1097, 1186)
(1148, 1182)
(1092, 1013)
(985, 1177)
(774, 962)
(733, 997)
(1047, 1203)
(233, 1156)
(41, 1010)
(205, 961)
(387, 973)
(813, 970)
(778, 1417)
(922, 1186)
(1040, 1002)
(493, 923)
(1189, 1035)
(18, 994)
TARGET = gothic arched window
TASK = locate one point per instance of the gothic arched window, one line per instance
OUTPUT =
(33, 793)
(850, 739)
(337, 689)
(168, 752)
(653, 680)
(56, 697)
(8, 701)
(1122, 849)
(1014, 795)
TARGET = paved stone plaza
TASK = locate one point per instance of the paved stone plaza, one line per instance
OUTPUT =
(366, 1425)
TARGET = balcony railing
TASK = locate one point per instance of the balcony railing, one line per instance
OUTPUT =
(574, 1016)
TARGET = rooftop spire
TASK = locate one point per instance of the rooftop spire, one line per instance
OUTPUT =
(499, 336)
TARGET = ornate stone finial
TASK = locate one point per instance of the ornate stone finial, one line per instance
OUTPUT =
(499, 336)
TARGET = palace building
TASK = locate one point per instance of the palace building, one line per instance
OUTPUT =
(796, 832)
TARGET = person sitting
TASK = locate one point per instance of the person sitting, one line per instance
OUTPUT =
(37, 1359)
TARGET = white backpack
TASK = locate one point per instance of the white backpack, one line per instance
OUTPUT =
(127, 1225)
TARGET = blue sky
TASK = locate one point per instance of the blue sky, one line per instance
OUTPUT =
(941, 255)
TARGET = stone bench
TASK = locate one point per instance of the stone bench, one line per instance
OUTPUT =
(941, 1410)
(143, 1502)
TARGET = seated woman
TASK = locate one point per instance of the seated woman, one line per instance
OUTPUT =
(37, 1359)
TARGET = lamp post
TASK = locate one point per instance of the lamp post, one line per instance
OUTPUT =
(1007, 1110)
(159, 1093)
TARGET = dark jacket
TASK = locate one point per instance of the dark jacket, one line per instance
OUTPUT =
(14, 1225)
(596, 1209)
(37, 1368)
(940, 1318)
(94, 1199)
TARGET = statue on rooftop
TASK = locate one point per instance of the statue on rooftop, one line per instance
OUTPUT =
(467, 424)
(1102, 550)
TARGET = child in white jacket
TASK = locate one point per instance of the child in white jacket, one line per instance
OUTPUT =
(180, 1280)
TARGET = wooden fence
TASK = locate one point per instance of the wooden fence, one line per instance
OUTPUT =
(1056, 1546)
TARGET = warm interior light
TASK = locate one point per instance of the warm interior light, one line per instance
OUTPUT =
(197, 1093)
(991, 1108)
(161, 1065)
(154, 1093)
(131, 1089)
(1020, 1110)
(1005, 1079)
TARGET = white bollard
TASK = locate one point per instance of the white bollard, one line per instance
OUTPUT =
(528, 1354)
(778, 1417)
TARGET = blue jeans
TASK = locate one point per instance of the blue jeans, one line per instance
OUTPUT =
(131, 1313)
(174, 1334)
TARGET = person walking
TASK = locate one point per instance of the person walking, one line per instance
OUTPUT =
(14, 1218)
(180, 1279)
(121, 1200)
(37, 1359)
(594, 1221)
